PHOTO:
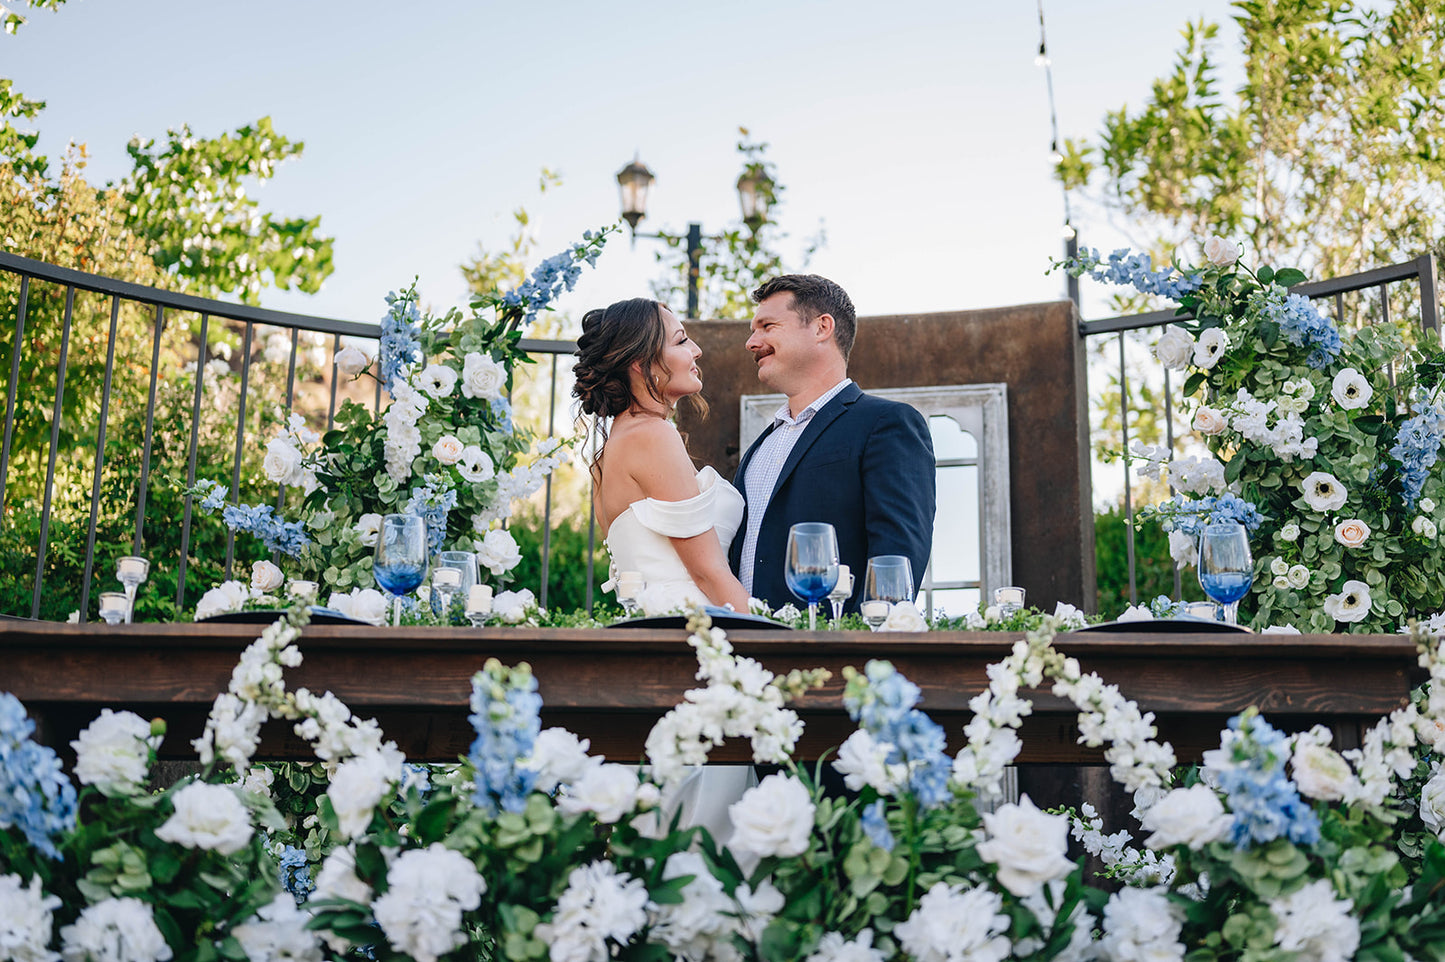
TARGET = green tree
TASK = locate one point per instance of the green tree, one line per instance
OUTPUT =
(1327, 157)
(737, 261)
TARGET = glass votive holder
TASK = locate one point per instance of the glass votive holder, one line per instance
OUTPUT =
(629, 586)
(132, 569)
(479, 604)
(1203, 610)
(302, 590)
(1009, 599)
(114, 606)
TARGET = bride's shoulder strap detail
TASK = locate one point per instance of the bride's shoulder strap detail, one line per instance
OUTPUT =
(681, 519)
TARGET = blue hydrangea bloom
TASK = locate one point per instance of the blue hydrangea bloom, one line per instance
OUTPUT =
(1417, 447)
(1302, 325)
(881, 702)
(875, 826)
(1191, 515)
(400, 330)
(296, 873)
(35, 795)
(1266, 805)
(506, 714)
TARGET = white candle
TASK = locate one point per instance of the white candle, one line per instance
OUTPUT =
(300, 588)
(447, 578)
(479, 599)
(844, 587)
(1008, 597)
(131, 566)
(871, 610)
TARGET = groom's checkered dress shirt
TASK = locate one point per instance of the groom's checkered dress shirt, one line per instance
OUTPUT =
(765, 466)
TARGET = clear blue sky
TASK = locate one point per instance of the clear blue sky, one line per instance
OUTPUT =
(917, 133)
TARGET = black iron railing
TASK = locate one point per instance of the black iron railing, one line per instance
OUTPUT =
(26, 282)
(1417, 275)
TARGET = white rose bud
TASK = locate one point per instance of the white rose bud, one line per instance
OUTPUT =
(1427, 505)
(1220, 252)
(1174, 348)
(1289, 532)
(1352, 532)
(1424, 527)
(1281, 582)
(1320, 772)
(448, 449)
(1432, 803)
(1279, 566)
(1210, 422)
(350, 362)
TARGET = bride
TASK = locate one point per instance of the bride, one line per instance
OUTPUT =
(661, 517)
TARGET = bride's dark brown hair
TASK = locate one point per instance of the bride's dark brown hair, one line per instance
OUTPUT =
(613, 339)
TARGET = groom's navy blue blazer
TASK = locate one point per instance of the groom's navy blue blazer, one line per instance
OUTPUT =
(864, 465)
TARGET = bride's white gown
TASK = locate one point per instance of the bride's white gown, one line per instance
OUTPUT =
(640, 540)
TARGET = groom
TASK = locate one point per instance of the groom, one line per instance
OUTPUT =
(832, 453)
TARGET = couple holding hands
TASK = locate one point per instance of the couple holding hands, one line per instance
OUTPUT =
(832, 453)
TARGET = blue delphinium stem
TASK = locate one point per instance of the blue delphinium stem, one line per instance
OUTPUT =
(506, 714)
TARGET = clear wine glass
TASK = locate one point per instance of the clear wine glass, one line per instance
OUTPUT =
(812, 564)
(401, 556)
(131, 571)
(888, 581)
(1226, 569)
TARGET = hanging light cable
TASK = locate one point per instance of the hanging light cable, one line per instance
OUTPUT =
(1056, 153)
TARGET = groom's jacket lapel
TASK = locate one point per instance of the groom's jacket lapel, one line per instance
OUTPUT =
(820, 422)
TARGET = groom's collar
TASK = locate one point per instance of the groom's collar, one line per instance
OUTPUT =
(784, 414)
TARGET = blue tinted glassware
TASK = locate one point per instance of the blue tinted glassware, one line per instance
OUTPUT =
(811, 568)
(1226, 569)
(401, 557)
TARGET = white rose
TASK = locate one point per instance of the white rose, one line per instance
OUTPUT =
(114, 930)
(1210, 347)
(1192, 816)
(991, 613)
(1321, 772)
(350, 362)
(282, 463)
(27, 920)
(475, 466)
(607, 791)
(1289, 532)
(1068, 616)
(1432, 803)
(1351, 389)
(1323, 491)
(1210, 422)
(1279, 566)
(904, 616)
(1352, 532)
(437, 380)
(773, 818)
(113, 752)
(1427, 505)
(482, 377)
(368, 529)
(1281, 582)
(226, 596)
(1174, 347)
(448, 449)
(559, 758)
(1136, 613)
(498, 551)
(1351, 604)
(208, 817)
(356, 788)
(1183, 548)
(368, 604)
(1220, 252)
(1424, 527)
(511, 606)
(1028, 846)
(265, 576)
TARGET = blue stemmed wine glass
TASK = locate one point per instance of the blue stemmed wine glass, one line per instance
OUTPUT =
(401, 557)
(812, 564)
(1226, 569)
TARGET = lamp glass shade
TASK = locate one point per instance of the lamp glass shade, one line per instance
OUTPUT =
(753, 194)
(633, 182)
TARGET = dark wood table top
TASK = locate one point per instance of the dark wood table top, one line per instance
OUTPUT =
(611, 685)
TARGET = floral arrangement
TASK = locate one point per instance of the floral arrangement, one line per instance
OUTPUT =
(1323, 443)
(444, 447)
(1278, 847)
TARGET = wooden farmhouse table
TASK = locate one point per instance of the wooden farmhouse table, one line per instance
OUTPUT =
(612, 685)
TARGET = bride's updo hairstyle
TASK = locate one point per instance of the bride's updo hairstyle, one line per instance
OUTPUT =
(613, 339)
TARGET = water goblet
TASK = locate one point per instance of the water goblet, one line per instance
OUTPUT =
(888, 581)
(1009, 599)
(401, 557)
(1203, 610)
(841, 592)
(629, 587)
(131, 571)
(811, 568)
(479, 604)
(445, 583)
(1226, 569)
(114, 607)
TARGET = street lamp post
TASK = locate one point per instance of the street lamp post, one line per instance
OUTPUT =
(633, 181)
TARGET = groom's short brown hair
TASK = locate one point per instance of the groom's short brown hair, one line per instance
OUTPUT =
(814, 295)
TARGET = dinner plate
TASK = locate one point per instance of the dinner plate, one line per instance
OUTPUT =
(1162, 626)
(264, 616)
(724, 618)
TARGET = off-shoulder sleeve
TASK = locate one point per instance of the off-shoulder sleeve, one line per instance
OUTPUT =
(678, 519)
